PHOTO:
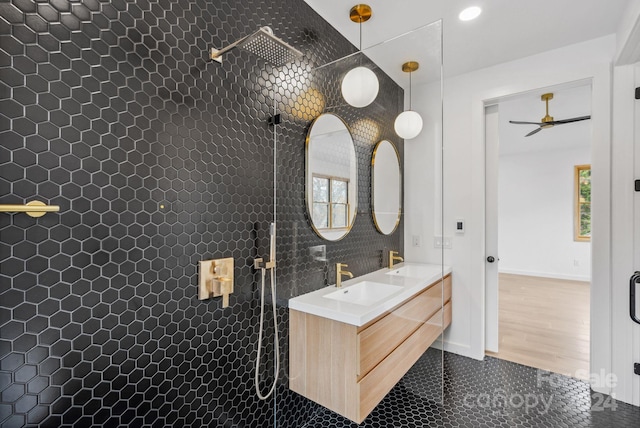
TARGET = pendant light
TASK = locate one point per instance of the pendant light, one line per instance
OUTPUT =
(408, 124)
(360, 85)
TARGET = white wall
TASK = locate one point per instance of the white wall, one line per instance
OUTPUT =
(463, 132)
(535, 212)
(628, 36)
(423, 183)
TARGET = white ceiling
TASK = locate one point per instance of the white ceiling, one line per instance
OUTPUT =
(566, 103)
(506, 30)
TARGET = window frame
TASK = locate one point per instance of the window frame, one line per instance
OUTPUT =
(577, 204)
(330, 203)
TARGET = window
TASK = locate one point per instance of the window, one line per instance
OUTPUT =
(330, 206)
(582, 200)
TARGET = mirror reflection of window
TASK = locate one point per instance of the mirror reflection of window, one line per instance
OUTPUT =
(582, 199)
(330, 202)
(331, 177)
(321, 202)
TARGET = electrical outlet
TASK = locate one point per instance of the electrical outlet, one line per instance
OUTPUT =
(576, 262)
(416, 241)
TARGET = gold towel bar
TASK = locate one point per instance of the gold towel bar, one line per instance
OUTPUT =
(33, 208)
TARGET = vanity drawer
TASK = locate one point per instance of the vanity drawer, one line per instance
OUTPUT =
(379, 381)
(379, 339)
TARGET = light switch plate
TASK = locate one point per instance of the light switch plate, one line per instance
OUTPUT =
(445, 242)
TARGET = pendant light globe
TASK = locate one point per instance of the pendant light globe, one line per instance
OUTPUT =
(360, 87)
(408, 124)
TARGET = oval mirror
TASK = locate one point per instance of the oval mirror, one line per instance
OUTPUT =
(331, 177)
(386, 187)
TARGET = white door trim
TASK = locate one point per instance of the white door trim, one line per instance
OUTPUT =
(600, 77)
(492, 162)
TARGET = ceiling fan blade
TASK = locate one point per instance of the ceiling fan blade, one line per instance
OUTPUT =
(535, 131)
(575, 119)
(517, 122)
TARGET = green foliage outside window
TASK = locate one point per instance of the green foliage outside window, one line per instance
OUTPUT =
(583, 203)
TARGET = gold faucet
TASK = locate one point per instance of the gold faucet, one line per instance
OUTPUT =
(340, 272)
(393, 255)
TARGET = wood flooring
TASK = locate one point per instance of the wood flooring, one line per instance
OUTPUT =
(544, 323)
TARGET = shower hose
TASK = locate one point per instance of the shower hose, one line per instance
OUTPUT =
(276, 340)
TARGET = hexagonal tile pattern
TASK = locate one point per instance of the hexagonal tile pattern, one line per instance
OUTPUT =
(159, 159)
(489, 393)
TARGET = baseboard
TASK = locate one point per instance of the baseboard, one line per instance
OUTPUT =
(456, 348)
(584, 278)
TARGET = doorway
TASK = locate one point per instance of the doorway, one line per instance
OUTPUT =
(538, 268)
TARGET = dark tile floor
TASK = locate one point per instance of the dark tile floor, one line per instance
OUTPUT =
(489, 393)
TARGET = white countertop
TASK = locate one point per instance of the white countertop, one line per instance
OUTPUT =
(315, 303)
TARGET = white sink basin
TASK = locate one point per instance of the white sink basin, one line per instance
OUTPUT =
(362, 299)
(416, 271)
(363, 293)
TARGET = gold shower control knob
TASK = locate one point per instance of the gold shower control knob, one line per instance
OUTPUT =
(216, 279)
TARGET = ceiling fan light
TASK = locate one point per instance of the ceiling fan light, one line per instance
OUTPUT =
(360, 87)
(470, 13)
(408, 124)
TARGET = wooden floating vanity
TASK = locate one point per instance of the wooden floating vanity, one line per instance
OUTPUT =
(349, 368)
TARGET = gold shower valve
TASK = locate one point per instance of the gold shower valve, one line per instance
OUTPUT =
(216, 279)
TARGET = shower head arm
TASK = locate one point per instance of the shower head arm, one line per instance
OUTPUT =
(216, 54)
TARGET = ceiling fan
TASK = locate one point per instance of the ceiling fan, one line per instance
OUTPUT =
(547, 121)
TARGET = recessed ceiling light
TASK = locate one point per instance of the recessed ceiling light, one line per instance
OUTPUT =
(470, 13)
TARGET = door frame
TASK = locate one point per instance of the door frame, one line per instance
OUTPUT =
(492, 155)
(600, 78)
(492, 295)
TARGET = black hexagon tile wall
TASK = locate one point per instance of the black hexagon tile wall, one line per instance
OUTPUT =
(158, 159)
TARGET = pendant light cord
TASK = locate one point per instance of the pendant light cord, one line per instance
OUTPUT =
(360, 42)
(410, 73)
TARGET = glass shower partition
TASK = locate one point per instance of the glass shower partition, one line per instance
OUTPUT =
(427, 239)
(307, 262)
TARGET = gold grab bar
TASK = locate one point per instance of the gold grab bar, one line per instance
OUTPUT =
(32, 209)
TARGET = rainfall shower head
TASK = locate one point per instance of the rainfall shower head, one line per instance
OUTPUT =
(263, 44)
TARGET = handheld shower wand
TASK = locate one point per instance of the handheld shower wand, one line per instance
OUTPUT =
(263, 266)
(272, 242)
